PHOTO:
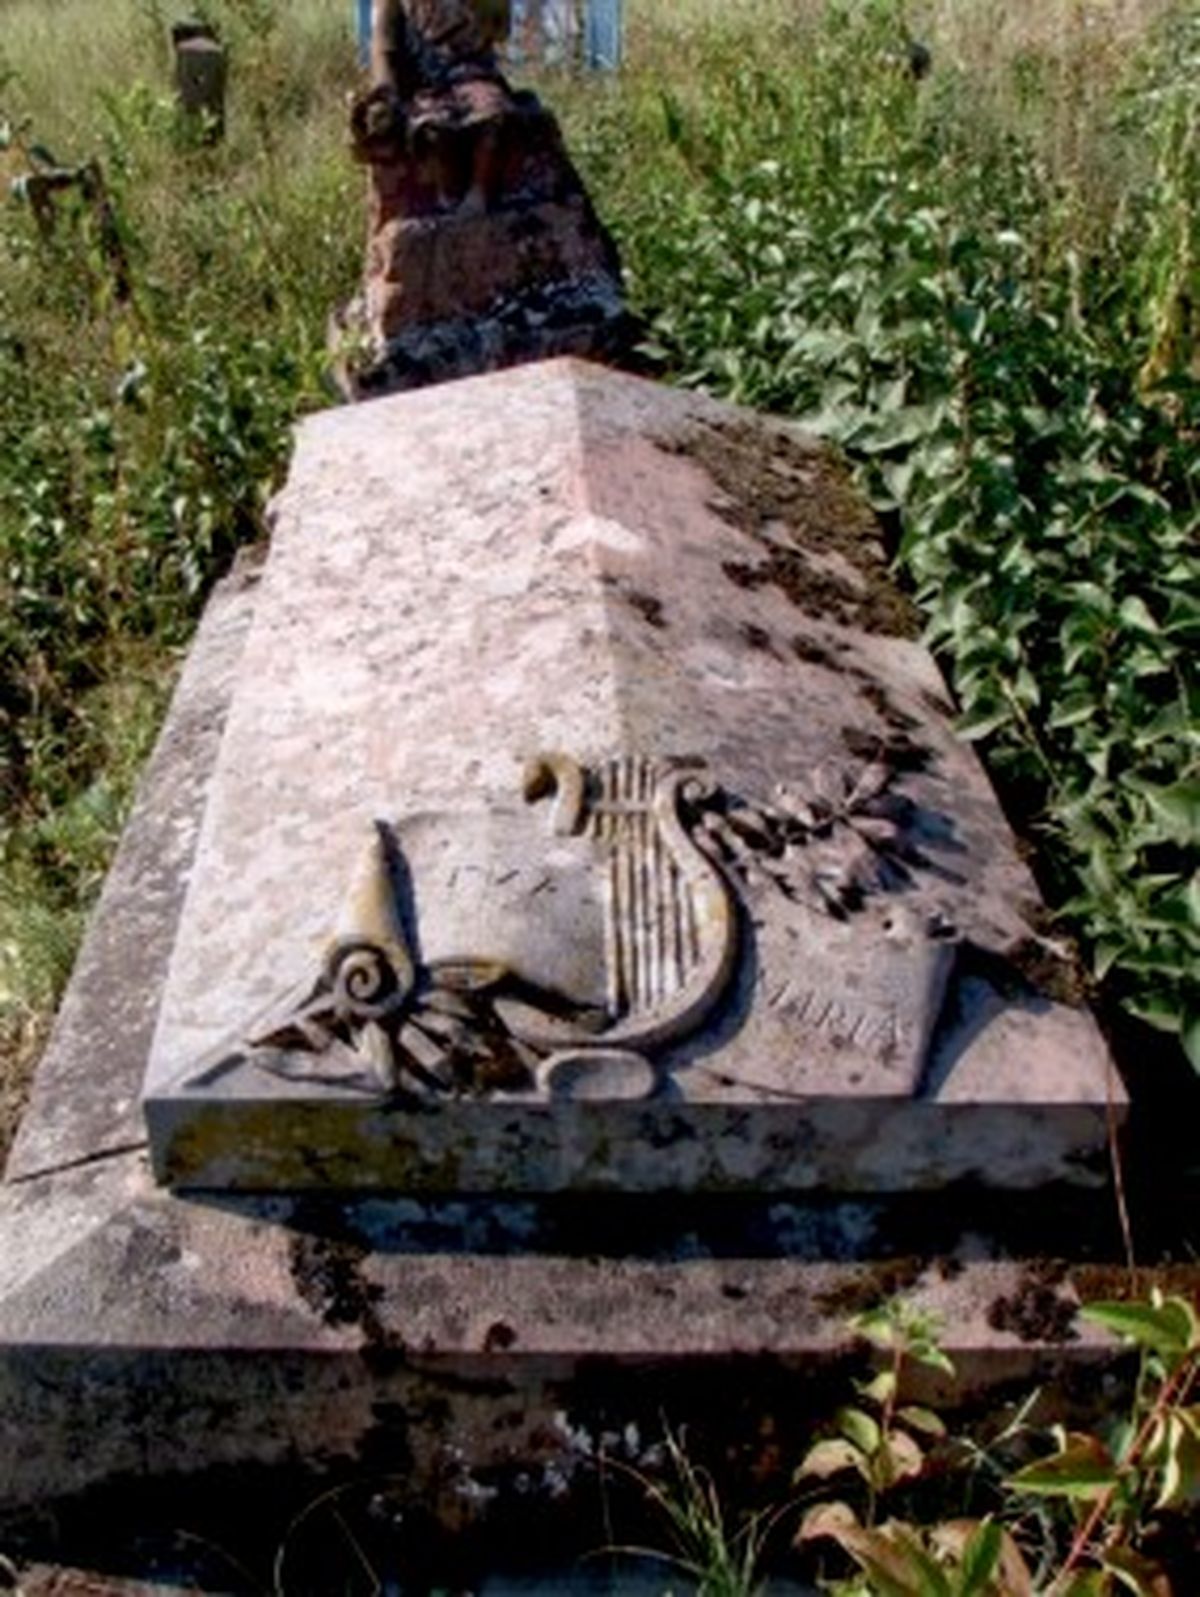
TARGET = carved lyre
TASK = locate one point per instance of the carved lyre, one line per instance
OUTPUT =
(670, 922)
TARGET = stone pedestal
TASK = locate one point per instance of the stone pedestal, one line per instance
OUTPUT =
(201, 73)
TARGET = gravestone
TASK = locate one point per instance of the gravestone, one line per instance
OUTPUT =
(201, 72)
(566, 812)
(483, 248)
(589, 817)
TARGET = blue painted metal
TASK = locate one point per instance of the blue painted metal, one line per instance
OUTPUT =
(362, 22)
(561, 31)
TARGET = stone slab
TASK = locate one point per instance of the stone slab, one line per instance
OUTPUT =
(484, 249)
(160, 1343)
(781, 941)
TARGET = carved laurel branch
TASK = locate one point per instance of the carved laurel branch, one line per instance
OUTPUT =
(829, 842)
(437, 1033)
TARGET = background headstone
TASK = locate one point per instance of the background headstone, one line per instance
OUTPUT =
(201, 75)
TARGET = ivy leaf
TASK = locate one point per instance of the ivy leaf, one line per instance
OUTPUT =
(1081, 1469)
(1190, 1037)
(1176, 807)
(899, 1458)
(828, 1457)
(1180, 1482)
(923, 1420)
(876, 1325)
(1135, 613)
(931, 1356)
(880, 1389)
(858, 1427)
(1170, 1327)
(894, 1563)
(976, 725)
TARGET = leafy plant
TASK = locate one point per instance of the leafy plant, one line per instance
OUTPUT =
(958, 1558)
(1098, 1499)
(881, 1439)
(920, 285)
(885, 1442)
(1150, 1463)
(141, 432)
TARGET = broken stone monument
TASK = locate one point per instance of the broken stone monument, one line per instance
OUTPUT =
(483, 247)
(560, 939)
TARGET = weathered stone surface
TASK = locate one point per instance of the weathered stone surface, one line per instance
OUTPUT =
(756, 920)
(483, 247)
(142, 1334)
(201, 74)
(154, 1340)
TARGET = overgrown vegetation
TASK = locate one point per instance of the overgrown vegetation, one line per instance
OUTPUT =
(142, 427)
(987, 292)
(1012, 1508)
(981, 283)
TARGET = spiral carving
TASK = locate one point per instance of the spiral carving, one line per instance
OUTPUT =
(363, 982)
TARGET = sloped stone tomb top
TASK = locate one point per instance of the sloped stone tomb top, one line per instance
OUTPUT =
(587, 816)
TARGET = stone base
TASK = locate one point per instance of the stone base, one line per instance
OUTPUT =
(143, 1335)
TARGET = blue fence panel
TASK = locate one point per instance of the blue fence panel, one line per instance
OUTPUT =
(567, 32)
(555, 31)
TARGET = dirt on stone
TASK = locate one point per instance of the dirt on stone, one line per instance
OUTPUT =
(1036, 1311)
(812, 653)
(648, 607)
(769, 479)
(327, 1274)
(1050, 960)
(870, 1286)
(1118, 1283)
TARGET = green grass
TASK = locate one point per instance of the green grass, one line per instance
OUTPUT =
(982, 286)
(139, 441)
